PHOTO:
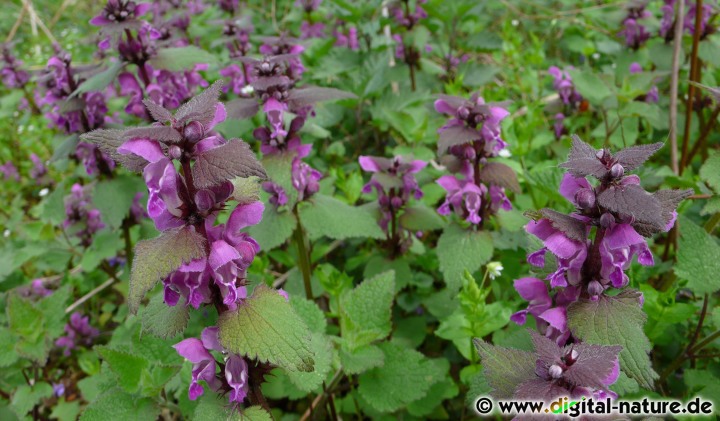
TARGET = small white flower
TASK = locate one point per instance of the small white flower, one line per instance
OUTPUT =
(505, 153)
(494, 269)
(596, 56)
(515, 22)
(247, 90)
(44, 192)
(6, 234)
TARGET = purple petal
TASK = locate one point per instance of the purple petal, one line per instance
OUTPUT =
(210, 339)
(621, 236)
(142, 8)
(222, 253)
(556, 317)
(99, 20)
(145, 148)
(570, 185)
(368, 164)
(449, 183)
(193, 350)
(220, 115)
(244, 216)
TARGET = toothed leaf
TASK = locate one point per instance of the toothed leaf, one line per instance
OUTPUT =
(227, 162)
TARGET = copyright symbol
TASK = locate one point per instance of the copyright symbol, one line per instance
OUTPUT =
(483, 405)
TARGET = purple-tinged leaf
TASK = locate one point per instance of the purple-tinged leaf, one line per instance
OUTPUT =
(163, 134)
(456, 135)
(634, 156)
(582, 160)
(499, 174)
(109, 141)
(310, 95)
(201, 108)
(574, 228)
(158, 112)
(242, 108)
(633, 200)
(71, 104)
(593, 366)
(226, 162)
(545, 348)
(669, 201)
(453, 101)
(616, 320)
(505, 368)
(158, 257)
(264, 83)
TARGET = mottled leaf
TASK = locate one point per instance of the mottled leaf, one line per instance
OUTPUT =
(156, 258)
(538, 389)
(616, 320)
(246, 190)
(499, 174)
(545, 348)
(593, 366)
(201, 108)
(634, 156)
(572, 227)
(633, 200)
(226, 162)
(669, 201)
(266, 328)
(163, 320)
(505, 368)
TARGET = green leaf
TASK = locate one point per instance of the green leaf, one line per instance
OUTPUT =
(52, 306)
(255, 413)
(710, 171)
(66, 411)
(323, 355)
(329, 217)
(310, 313)
(163, 320)
(418, 217)
(212, 408)
(8, 356)
(361, 359)
(379, 264)
(367, 310)
(444, 388)
(25, 397)
(279, 168)
(106, 244)
(698, 258)
(114, 197)
(616, 320)
(119, 405)
(405, 377)
(459, 250)
(181, 58)
(156, 258)
(127, 367)
(101, 80)
(28, 323)
(266, 328)
(590, 86)
(274, 228)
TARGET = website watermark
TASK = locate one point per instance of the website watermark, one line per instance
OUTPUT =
(576, 407)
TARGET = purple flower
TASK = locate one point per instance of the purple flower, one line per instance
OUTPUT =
(559, 125)
(10, 171)
(58, 389)
(80, 218)
(120, 11)
(563, 85)
(11, 72)
(304, 179)
(652, 95)
(312, 30)
(345, 38)
(197, 351)
(39, 169)
(236, 74)
(472, 121)
(400, 11)
(229, 6)
(463, 197)
(668, 18)
(277, 193)
(77, 332)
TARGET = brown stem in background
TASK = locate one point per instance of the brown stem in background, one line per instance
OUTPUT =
(677, 47)
(695, 77)
(704, 134)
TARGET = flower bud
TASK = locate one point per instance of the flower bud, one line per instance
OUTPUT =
(194, 132)
(470, 153)
(384, 201)
(600, 154)
(204, 200)
(607, 220)
(585, 198)
(595, 288)
(174, 152)
(397, 202)
(555, 371)
(463, 113)
(247, 252)
(617, 171)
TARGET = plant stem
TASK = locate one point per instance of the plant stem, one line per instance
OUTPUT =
(303, 256)
(694, 76)
(677, 47)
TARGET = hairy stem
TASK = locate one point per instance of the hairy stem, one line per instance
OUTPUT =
(303, 256)
(677, 47)
(694, 76)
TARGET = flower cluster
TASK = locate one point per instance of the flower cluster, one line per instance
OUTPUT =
(75, 113)
(12, 74)
(468, 140)
(571, 99)
(394, 182)
(185, 202)
(667, 22)
(346, 36)
(652, 95)
(137, 42)
(407, 20)
(633, 30)
(81, 219)
(10, 171)
(78, 332)
(593, 247)
(308, 28)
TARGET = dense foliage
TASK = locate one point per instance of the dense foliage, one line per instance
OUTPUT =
(307, 209)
